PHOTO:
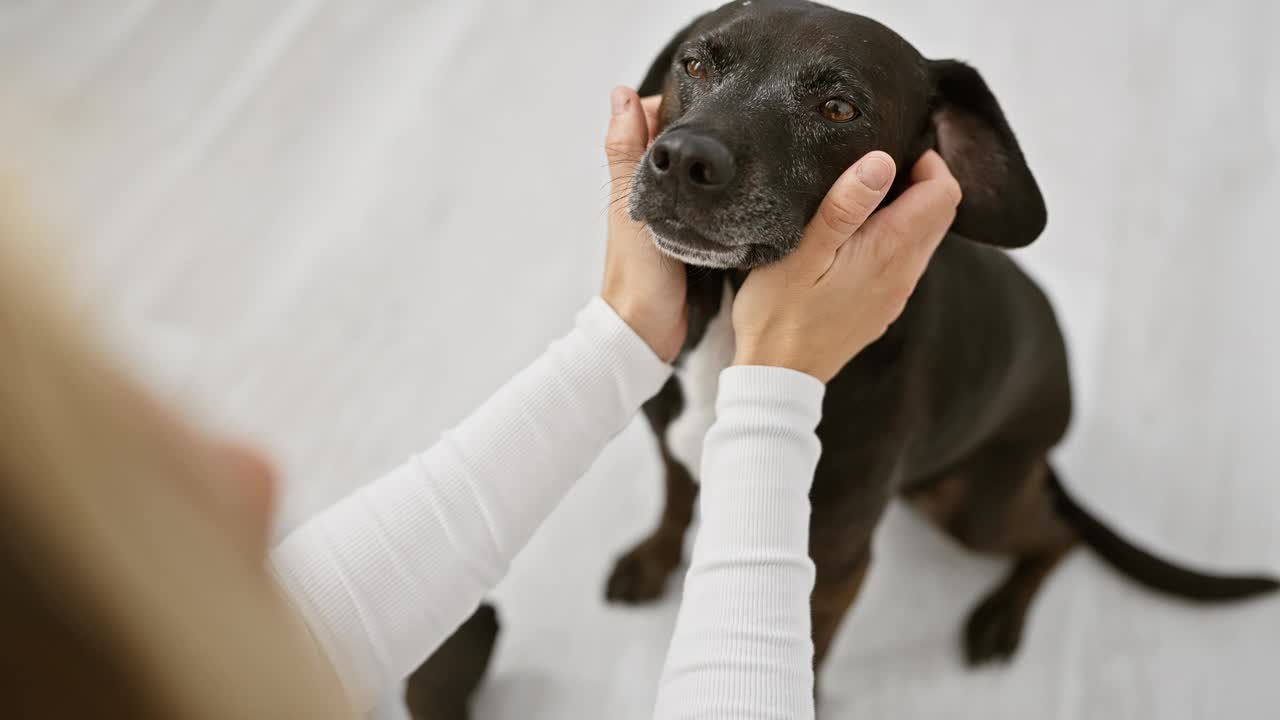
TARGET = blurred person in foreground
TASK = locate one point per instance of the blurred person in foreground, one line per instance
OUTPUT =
(135, 574)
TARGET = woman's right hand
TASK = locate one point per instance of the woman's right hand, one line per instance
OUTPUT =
(851, 275)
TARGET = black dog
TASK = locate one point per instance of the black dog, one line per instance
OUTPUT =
(957, 407)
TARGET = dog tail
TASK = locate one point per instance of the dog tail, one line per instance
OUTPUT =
(1151, 571)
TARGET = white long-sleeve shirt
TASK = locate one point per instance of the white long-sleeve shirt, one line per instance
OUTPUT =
(388, 573)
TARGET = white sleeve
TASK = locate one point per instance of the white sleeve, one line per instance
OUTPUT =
(386, 574)
(742, 646)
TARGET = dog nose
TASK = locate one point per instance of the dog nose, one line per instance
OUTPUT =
(693, 160)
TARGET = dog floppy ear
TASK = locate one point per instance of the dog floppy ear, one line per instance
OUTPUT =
(655, 81)
(1002, 204)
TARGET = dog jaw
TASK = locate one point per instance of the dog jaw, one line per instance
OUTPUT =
(697, 257)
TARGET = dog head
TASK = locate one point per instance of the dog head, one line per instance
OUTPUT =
(766, 102)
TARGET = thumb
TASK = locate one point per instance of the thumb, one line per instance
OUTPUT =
(848, 204)
(628, 133)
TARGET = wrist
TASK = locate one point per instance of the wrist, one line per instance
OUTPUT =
(780, 358)
(649, 325)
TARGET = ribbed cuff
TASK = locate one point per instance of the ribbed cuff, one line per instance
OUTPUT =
(302, 566)
(775, 392)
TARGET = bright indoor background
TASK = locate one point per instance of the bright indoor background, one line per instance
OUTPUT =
(336, 226)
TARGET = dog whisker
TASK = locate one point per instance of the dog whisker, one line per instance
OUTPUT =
(618, 192)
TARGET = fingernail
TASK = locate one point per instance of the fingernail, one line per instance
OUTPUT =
(619, 100)
(874, 173)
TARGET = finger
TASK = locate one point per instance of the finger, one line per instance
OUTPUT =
(851, 200)
(628, 132)
(931, 166)
(917, 221)
(651, 105)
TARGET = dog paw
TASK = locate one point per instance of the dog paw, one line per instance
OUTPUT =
(442, 687)
(993, 630)
(641, 575)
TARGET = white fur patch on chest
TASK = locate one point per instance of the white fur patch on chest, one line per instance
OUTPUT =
(699, 378)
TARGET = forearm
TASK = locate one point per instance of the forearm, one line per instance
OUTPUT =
(742, 646)
(389, 572)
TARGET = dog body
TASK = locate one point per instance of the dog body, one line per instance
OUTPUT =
(963, 436)
(958, 406)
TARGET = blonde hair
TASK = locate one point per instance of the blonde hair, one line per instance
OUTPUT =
(103, 540)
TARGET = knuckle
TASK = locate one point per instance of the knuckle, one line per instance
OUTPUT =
(954, 192)
(845, 214)
(618, 147)
(887, 253)
(897, 232)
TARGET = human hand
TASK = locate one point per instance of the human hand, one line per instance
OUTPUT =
(852, 274)
(646, 288)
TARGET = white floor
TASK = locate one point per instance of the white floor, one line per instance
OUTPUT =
(335, 226)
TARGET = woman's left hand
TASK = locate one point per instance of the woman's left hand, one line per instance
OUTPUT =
(646, 288)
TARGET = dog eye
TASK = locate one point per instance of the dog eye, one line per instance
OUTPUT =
(837, 110)
(695, 69)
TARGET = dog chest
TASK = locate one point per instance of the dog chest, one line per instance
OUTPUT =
(699, 378)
